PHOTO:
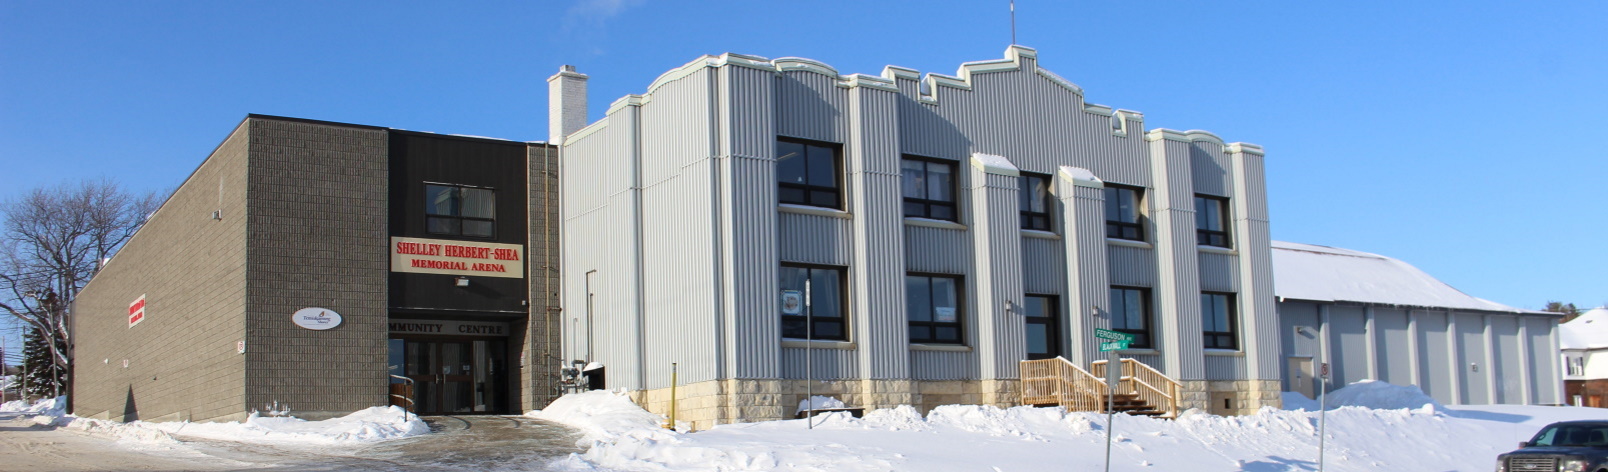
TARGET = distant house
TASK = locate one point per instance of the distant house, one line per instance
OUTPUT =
(1584, 342)
(1375, 317)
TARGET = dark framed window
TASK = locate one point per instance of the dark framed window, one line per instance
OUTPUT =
(1042, 316)
(1035, 201)
(1211, 221)
(826, 302)
(1130, 313)
(808, 173)
(932, 303)
(1123, 218)
(1217, 320)
(929, 188)
(458, 210)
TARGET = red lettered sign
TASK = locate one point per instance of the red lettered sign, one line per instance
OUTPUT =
(136, 311)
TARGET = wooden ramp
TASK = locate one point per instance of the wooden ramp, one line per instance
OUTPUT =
(1057, 382)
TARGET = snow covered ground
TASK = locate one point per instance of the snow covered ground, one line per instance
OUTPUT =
(370, 425)
(1370, 426)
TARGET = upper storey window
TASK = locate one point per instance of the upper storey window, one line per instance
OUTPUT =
(929, 188)
(1211, 221)
(808, 173)
(1035, 201)
(1122, 212)
(458, 210)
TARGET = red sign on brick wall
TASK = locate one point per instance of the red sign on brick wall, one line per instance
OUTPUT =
(136, 311)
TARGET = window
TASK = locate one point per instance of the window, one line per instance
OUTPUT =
(1211, 221)
(1217, 320)
(1130, 313)
(807, 173)
(460, 210)
(1035, 201)
(1122, 212)
(824, 307)
(1041, 314)
(929, 189)
(1577, 366)
(932, 303)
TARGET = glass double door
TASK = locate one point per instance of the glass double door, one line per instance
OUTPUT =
(451, 376)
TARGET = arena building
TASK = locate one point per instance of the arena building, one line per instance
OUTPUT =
(323, 268)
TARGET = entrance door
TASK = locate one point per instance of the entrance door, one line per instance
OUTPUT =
(1300, 375)
(454, 376)
(1042, 343)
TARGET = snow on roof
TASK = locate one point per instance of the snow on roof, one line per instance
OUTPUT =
(1588, 331)
(1322, 273)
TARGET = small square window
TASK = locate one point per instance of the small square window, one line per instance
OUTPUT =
(458, 210)
(928, 188)
(1035, 201)
(932, 305)
(1211, 221)
(808, 173)
(1123, 217)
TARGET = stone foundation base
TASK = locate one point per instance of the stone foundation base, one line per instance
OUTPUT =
(705, 404)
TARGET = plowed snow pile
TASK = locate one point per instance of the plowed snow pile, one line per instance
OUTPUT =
(370, 425)
(1403, 436)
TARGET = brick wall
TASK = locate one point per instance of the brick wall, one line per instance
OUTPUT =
(538, 378)
(317, 238)
(182, 359)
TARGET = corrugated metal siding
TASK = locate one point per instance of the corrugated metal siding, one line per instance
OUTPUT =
(1088, 291)
(1348, 341)
(943, 365)
(1391, 341)
(1219, 272)
(1043, 266)
(873, 161)
(1225, 368)
(1001, 334)
(810, 106)
(826, 364)
(1131, 266)
(1209, 167)
(1435, 368)
(746, 190)
(940, 250)
(1255, 272)
(1544, 370)
(1177, 289)
(1508, 354)
(814, 239)
(1471, 349)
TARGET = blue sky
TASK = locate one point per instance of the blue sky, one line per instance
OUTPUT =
(1464, 138)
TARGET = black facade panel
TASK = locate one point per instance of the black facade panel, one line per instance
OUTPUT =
(420, 159)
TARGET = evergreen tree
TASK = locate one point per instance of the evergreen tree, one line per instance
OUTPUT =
(1568, 309)
(44, 377)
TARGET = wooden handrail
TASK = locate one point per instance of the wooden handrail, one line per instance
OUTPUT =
(1060, 382)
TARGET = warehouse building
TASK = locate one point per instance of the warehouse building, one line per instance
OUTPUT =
(948, 227)
(1375, 317)
(323, 268)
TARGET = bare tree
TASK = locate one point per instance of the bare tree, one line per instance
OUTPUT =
(52, 240)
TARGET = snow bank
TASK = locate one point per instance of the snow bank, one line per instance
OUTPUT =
(1298, 401)
(599, 415)
(1382, 396)
(1403, 435)
(369, 425)
(47, 407)
(819, 403)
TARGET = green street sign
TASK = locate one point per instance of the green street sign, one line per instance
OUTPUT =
(1112, 335)
(1113, 346)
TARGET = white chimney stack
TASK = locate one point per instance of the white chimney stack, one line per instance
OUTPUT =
(566, 103)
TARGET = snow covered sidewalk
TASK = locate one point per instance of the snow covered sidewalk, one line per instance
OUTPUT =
(1425, 436)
